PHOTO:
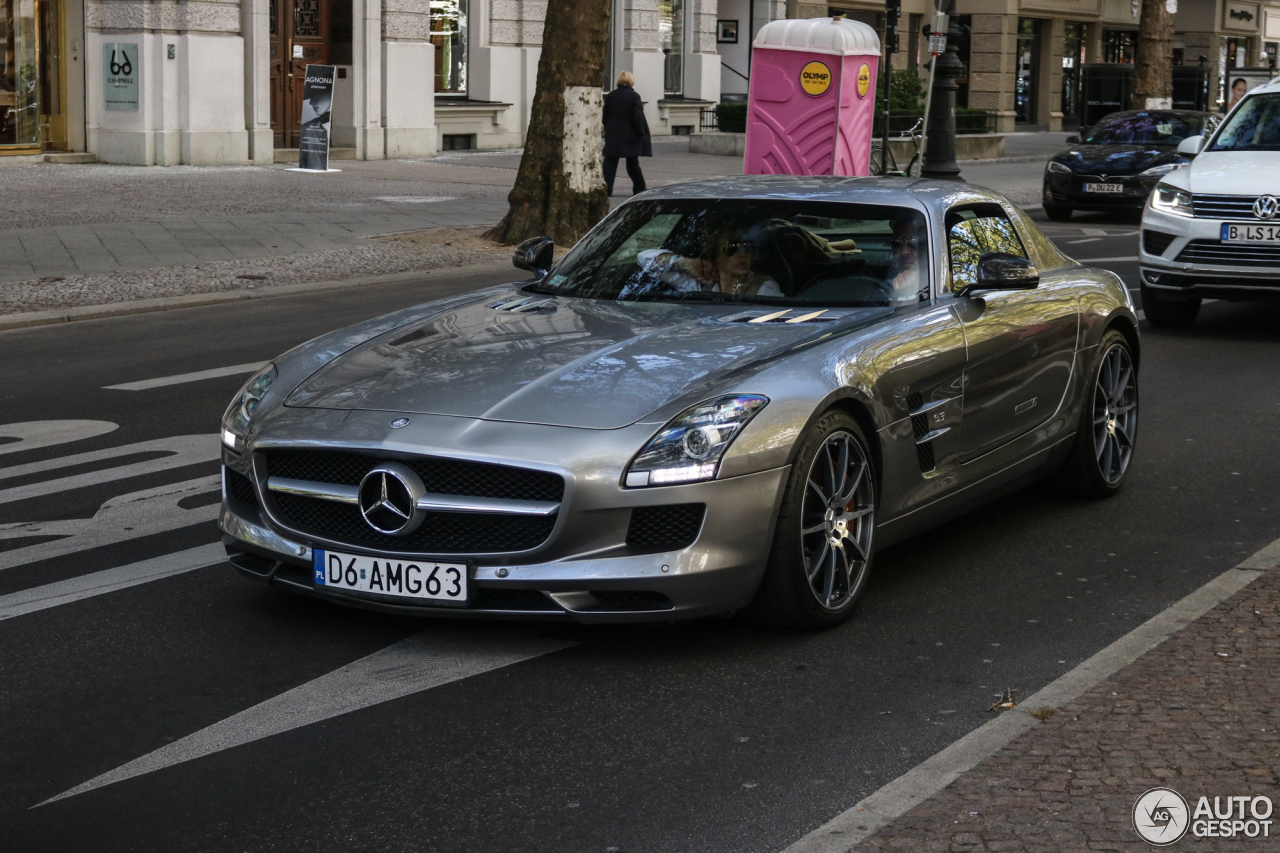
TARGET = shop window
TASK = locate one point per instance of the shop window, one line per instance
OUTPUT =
(1073, 56)
(19, 88)
(671, 40)
(458, 142)
(340, 32)
(1028, 71)
(449, 35)
(1119, 45)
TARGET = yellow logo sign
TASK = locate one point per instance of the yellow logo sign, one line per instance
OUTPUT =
(815, 78)
(864, 80)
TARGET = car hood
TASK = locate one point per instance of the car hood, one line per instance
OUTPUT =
(1232, 173)
(1116, 159)
(572, 362)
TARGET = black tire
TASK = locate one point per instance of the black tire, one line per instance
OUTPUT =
(1058, 213)
(1168, 313)
(805, 566)
(1105, 440)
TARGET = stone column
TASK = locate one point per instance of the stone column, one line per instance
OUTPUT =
(641, 54)
(1053, 34)
(408, 62)
(366, 82)
(506, 44)
(702, 62)
(993, 49)
(255, 25)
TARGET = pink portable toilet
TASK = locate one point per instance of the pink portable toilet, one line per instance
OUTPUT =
(812, 98)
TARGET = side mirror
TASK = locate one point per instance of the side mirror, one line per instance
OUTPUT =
(1191, 146)
(535, 255)
(1073, 140)
(999, 271)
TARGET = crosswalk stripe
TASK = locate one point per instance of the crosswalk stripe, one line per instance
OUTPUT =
(181, 378)
(428, 659)
(110, 580)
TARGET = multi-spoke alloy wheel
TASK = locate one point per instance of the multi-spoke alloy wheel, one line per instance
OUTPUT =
(1115, 414)
(822, 548)
(837, 515)
(1103, 448)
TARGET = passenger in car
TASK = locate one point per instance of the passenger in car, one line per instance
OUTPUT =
(906, 279)
(725, 266)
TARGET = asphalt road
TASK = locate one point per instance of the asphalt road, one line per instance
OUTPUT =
(230, 717)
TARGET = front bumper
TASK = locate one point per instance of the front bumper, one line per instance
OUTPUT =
(1068, 191)
(1171, 251)
(585, 571)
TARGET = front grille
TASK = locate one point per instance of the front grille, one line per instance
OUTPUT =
(1223, 206)
(440, 533)
(1155, 242)
(631, 600)
(1232, 254)
(240, 487)
(440, 476)
(665, 528)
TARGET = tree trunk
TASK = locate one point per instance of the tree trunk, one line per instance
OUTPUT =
(1153, 65)
(559, 191)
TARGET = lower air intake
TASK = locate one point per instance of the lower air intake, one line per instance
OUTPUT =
(665, 528)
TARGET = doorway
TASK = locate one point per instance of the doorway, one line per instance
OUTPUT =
(299, 37)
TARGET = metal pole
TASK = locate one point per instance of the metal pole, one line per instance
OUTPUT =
(887, 71)
(938, 23)
(940, 155)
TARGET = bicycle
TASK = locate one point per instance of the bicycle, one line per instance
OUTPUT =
(882, 158)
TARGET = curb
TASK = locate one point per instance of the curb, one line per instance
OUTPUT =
(31, 319)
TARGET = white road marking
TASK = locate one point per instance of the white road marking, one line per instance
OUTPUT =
(1094, 232)
(179, 379)
(1107, 260)
(110, 580)
(182, 449)
(895, 799)
(120, 519)
(35, 434)
(428, 659)
(1084, 240)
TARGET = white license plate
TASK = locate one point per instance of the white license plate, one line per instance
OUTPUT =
(441, 582)
(1250, 233)
(1104, 188)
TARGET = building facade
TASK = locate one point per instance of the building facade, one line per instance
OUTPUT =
(161, 82)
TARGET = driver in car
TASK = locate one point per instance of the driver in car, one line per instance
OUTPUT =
(724, 267)
(906, 279)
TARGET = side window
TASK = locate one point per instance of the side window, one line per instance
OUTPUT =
(973, 232)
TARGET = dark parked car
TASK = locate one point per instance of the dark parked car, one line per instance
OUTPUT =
(1115, 164)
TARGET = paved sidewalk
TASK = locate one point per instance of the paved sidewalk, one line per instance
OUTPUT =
(1199, 713)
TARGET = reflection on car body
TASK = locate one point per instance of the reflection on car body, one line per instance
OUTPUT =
(632, 437)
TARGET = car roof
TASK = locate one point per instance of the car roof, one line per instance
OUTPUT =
(903, 192)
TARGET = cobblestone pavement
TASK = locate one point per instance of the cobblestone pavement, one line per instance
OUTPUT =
(1198, 714)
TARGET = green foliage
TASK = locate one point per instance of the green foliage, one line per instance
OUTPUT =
(732, 118)
(906, 92)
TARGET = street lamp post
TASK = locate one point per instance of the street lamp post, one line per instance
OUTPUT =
(940, 153)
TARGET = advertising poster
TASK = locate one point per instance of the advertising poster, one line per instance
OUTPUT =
(121, 67)
(317, 104)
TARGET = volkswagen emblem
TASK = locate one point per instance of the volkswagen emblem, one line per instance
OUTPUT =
(388, 498)
(1266, 207)
(399, 423)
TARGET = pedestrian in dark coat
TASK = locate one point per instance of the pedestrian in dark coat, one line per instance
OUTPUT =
(626, 133)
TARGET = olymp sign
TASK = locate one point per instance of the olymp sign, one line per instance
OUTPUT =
(815, 78)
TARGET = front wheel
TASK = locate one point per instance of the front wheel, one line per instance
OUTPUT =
(822, 547)
(1105, 440)
(1169, 313)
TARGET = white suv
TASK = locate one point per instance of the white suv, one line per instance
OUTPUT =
(1212, 228)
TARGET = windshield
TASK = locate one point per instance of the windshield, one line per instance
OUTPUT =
(759, 251)
(1144, 129)
(1254, 126)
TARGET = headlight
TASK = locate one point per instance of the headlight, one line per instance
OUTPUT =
(688, 449)
(1161, 171)
(235, 423)
(1057, 168)
(1171, 200)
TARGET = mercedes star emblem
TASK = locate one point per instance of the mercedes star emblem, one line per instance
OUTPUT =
(399, 423)
(1266, 207)
(388, 498)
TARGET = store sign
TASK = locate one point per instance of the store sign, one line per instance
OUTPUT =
(317, 114)
(121, 68)
(1240, 16)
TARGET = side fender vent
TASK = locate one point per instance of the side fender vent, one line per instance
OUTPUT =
(924, 437)
(525, 305)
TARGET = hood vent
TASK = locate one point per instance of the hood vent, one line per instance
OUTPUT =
(524, 304)
(789, 316)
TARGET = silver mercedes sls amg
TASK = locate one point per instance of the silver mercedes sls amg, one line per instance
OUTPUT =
(726, 397)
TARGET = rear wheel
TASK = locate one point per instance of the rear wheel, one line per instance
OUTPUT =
(1058, 213)
(822, 547)
(1104, 442)
(1170, 313)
